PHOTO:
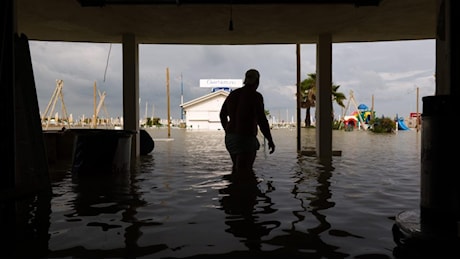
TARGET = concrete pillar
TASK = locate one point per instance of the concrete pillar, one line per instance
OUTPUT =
(440, 196)
(131, 90)
(324, 97)
(7, 104)
(438, 219)
(447, 56)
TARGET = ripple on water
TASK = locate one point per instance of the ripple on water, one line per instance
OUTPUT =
(179, 202)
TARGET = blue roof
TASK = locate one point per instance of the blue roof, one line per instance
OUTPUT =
(363, 107)
(221, 88)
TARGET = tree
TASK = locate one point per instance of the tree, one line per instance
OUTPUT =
(308, 95)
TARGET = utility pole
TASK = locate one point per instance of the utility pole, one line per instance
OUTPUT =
(167, 94)
(417, 124)
(181, 97)
(93, 122)
(146, 110)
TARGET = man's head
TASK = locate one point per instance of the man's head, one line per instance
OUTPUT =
(252, 78)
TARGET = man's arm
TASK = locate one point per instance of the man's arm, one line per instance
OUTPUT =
(262, 121)
(224, 115)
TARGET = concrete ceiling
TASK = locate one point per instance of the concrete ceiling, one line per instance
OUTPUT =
(254, 22)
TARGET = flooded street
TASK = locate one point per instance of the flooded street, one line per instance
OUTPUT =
(181, 203)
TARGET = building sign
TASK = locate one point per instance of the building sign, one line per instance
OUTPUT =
(221, 83)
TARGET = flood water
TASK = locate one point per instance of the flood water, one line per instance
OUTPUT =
(181, 203)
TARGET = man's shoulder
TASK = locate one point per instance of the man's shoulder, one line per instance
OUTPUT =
(258, 94)
(235, 92)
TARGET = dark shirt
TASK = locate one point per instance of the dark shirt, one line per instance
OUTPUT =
(243, 110)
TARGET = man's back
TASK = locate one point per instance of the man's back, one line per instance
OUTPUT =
(242, 107)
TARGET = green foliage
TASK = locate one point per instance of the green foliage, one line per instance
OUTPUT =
(336, 124)
(153, 122)
(383, 125)
(308, 95)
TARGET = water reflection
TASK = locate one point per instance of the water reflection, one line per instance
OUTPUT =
(99, 203)
(244, 203)
(181, 202)
(312, 190)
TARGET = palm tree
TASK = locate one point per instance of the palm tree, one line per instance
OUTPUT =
(308, 92)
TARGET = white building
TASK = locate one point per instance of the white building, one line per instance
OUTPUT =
(203, 113)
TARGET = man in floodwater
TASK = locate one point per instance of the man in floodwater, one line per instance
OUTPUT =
(241, 114)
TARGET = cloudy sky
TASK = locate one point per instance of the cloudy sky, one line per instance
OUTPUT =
(387, 72)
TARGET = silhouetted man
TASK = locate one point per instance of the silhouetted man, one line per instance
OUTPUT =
(241, 114)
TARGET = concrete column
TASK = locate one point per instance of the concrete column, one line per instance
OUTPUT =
(7, 83)
(131, 90)
(454, 8)
(440, 196)
(299, 97)
(447, 57)
(324, 97)
(438, 220)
